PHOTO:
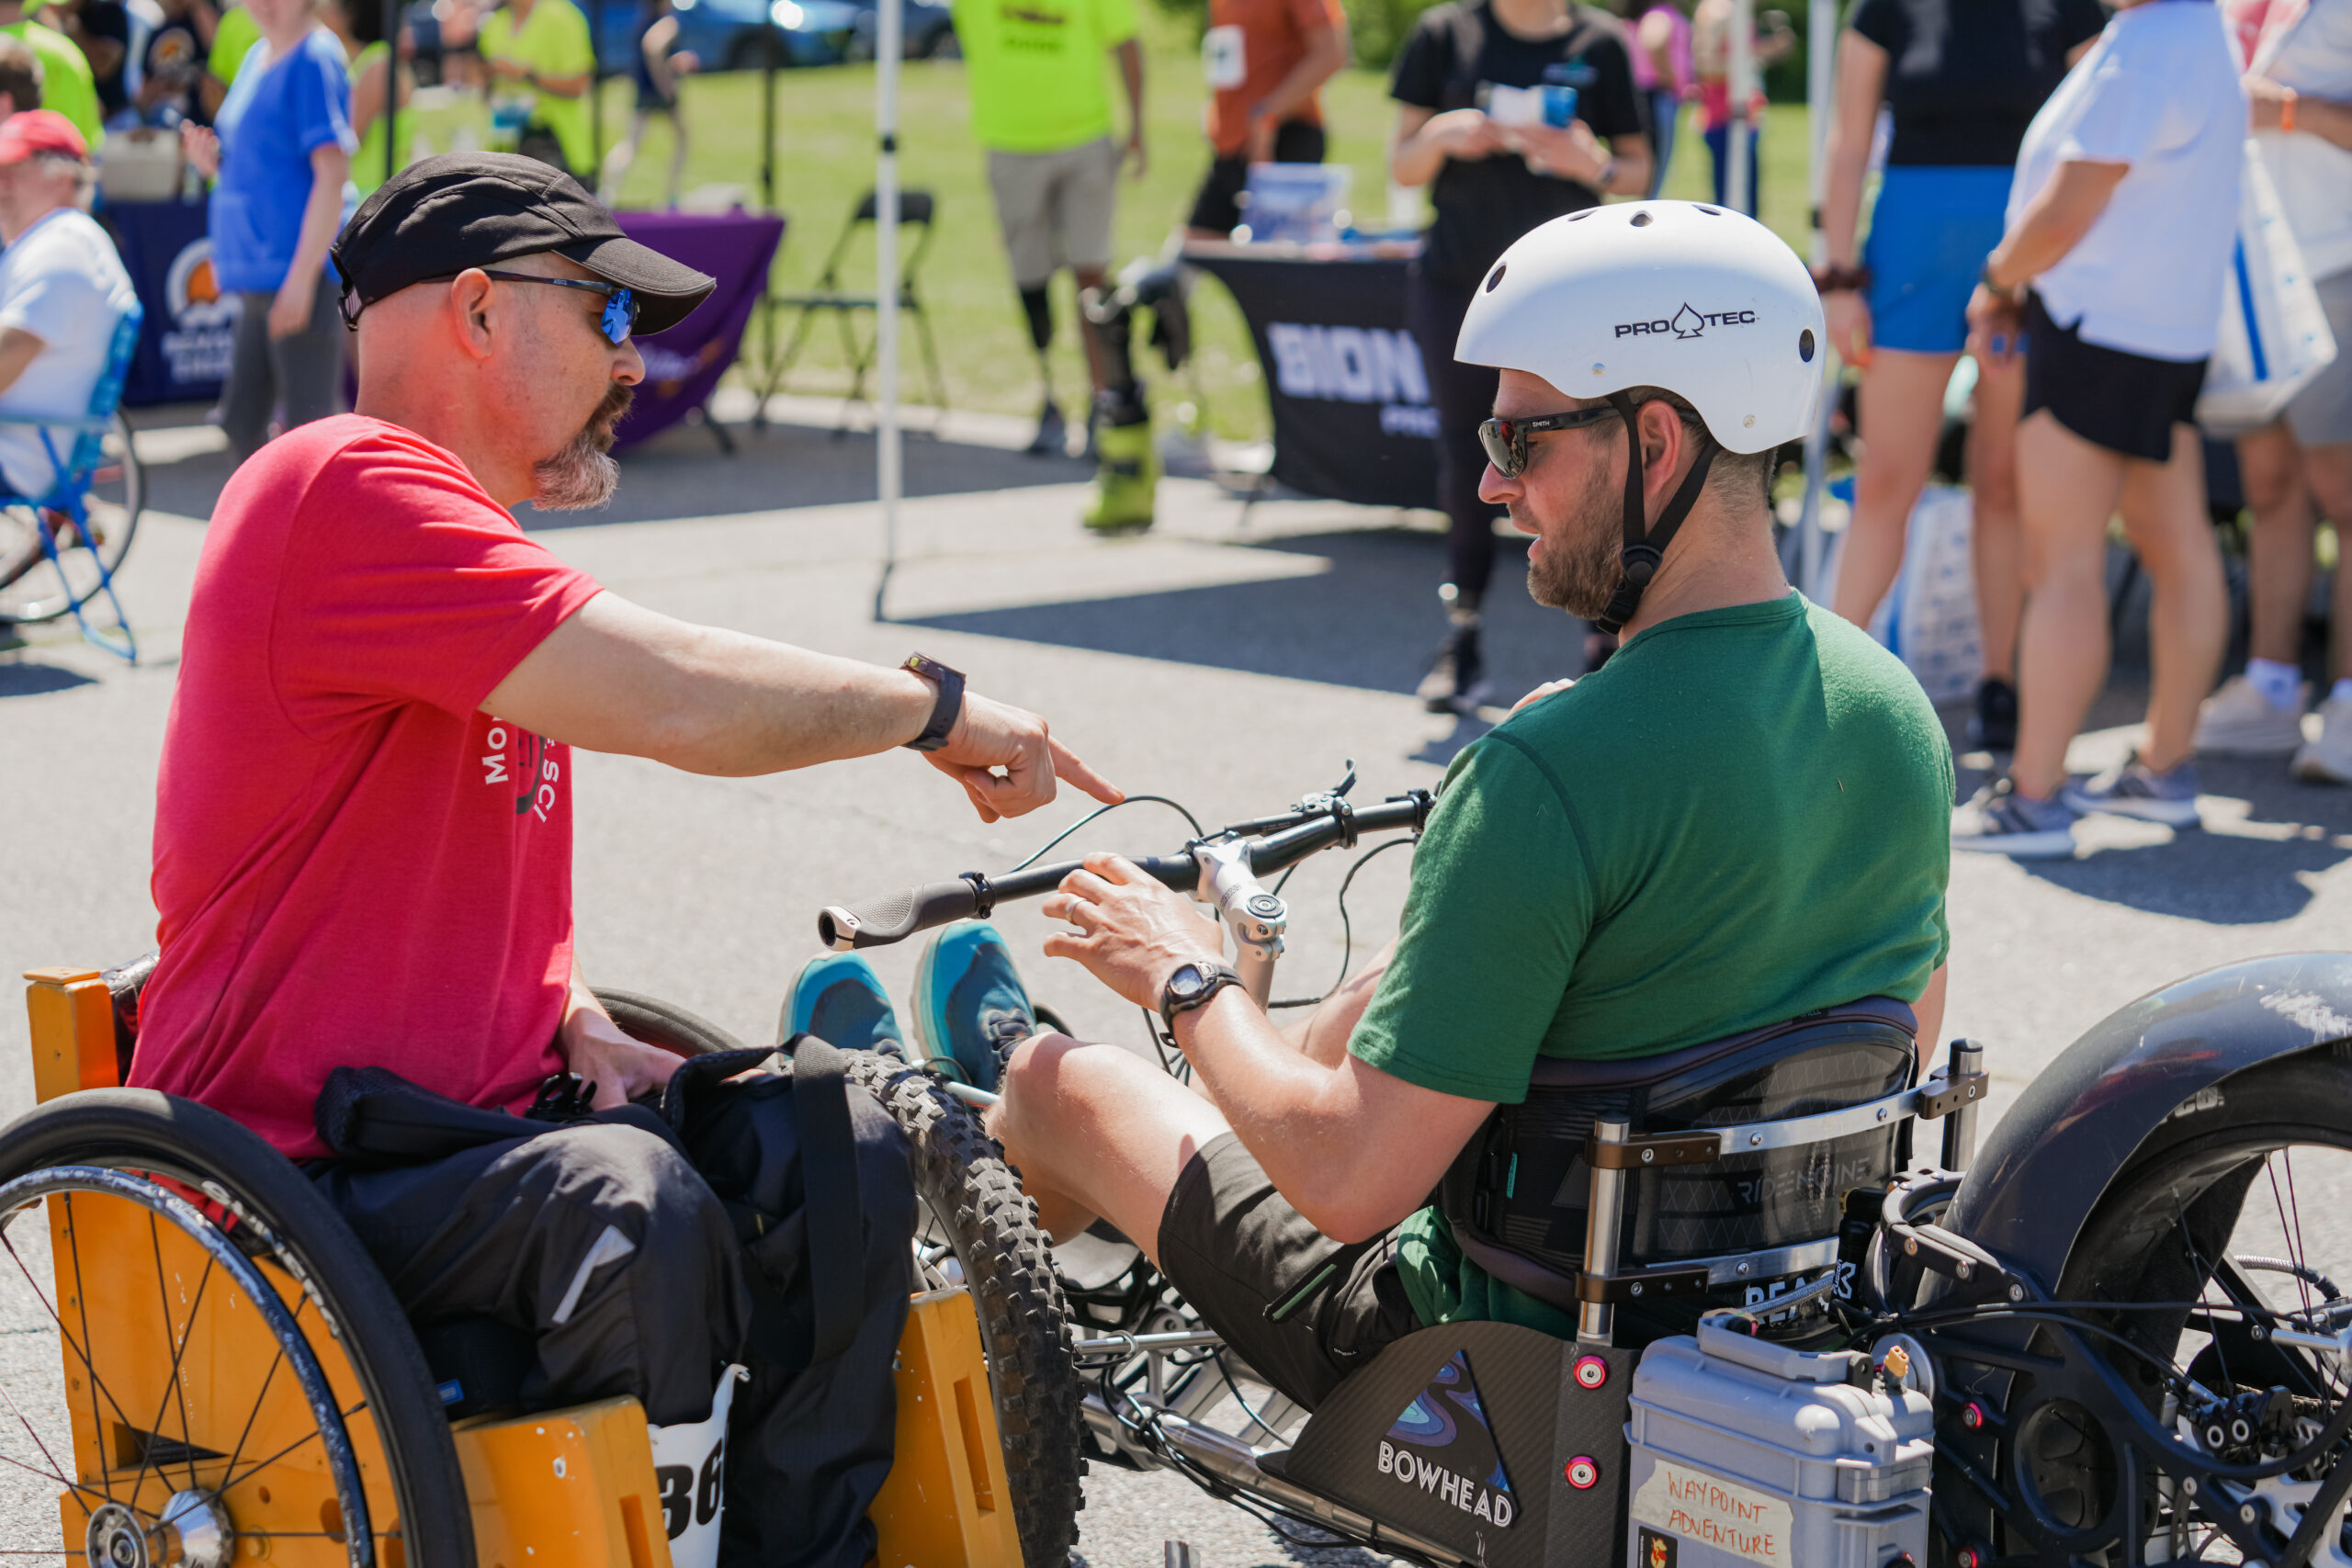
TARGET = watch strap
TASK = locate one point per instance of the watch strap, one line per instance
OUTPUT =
(944, 712)
(1215, 978)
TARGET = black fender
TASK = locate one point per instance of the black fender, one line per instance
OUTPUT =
(2043, 1171)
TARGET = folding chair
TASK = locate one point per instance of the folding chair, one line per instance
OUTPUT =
(915, 207)
(59, 551)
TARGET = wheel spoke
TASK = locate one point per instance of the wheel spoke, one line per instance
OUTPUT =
(261, 1464)
(98, 1384)
(52, 1475)
(275, 1361)
(172, 1387)
(55, 1474)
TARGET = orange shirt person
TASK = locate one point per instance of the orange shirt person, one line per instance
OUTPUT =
(1265, 61)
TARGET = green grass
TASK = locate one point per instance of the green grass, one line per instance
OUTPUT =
(825, 162)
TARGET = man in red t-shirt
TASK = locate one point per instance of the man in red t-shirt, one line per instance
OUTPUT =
(363, 834)
(1266, 61)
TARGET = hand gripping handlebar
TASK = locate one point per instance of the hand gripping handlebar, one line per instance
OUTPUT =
(893, 917)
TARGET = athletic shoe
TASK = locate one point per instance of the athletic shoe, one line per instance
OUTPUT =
(838, 998)
(1993, 725)
(2001, 822)
(1052, 439)
(2328, 758)
(2239, 721)
(1125, 481)
(1456, 681)
(970, 1007)
(2136, 789)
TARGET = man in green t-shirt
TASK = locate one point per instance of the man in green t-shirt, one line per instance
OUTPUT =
(1042, 110)
(541, 61)
(66, 84)
(1743, 817)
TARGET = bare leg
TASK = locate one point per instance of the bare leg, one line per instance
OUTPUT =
(1998, 541)
(1901, 413)
(2165, 519)
(1097, 370)
(677, 117)
(1097, 1129)
(2279, 550)
(2062, 641)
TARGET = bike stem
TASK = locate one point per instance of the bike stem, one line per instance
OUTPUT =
(1255, 916)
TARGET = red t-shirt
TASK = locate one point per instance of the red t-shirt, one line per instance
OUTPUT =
(353, 862)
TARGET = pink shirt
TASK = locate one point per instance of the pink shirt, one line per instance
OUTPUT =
(353, 862)
(1678, 50)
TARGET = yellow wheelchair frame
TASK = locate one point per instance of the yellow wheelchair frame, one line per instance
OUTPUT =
(573, 1488)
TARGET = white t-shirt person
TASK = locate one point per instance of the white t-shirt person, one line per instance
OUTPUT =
(2306, 45)
(2158, 91)
(62, 282)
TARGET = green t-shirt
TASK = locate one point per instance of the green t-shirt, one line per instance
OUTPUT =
(1744, 815)
(553, 41)
(237, 33)
(1039, 79)
(65, 84)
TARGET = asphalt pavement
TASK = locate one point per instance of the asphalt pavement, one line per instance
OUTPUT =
(1233, 659)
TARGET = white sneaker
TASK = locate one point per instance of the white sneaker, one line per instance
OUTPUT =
(2240, 721)
(2328, 758)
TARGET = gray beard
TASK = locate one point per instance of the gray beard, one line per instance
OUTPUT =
(1580, 567)
(583, 476)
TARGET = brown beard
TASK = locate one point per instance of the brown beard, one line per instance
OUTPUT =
(583, 474)
(1579, 568)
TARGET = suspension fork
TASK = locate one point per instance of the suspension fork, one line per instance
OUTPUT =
(1255, 916)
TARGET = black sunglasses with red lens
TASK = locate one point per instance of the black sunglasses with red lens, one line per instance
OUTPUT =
(1506, 439)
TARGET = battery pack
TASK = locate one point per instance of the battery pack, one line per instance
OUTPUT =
(1747, 1453)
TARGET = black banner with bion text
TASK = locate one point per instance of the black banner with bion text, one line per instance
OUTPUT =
(1348, 384)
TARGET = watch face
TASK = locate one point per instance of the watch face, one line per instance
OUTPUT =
(1186, 982)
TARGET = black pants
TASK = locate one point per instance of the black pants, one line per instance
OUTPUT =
(1464, 394)
(612, 1249)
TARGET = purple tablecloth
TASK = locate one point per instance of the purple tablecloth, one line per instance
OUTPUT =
(684, 365)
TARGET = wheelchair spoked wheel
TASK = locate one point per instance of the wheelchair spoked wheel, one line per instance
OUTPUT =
(975, 1228)
(2250, 1198)
(214, 1370)
(31, 587)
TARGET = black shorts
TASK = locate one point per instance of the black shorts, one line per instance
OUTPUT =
(1234, 1247)
(2125, 402)
(1217, 208)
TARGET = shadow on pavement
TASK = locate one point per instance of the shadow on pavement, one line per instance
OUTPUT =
(2247, 869)
(1369, 621)
(683, 473)
(32, 680)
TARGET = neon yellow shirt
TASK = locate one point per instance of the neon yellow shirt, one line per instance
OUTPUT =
(367, 163)
(1039, 80)
(552, 41)
(237, 33)
(65, 84)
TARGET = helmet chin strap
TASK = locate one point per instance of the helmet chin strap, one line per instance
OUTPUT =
(1646, 550)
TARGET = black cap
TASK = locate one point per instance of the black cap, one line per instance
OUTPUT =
(440, 216)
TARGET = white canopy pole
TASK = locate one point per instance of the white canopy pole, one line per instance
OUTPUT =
(1820, 90)
(886, 52)
(1743, 94)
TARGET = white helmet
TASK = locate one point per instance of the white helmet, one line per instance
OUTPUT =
(1691, 297)
(1685, 297)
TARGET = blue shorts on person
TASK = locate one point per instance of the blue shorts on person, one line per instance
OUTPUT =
(1931, 233)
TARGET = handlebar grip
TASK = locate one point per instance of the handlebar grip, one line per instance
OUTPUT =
(894, 917)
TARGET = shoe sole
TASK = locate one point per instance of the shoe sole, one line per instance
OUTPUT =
(2169, 813)
(2250, 742)
(2048, 844)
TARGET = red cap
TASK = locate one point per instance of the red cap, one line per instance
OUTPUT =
(39, 130)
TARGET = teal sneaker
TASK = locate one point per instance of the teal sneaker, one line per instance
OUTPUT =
(838, 998)
(970, 1007)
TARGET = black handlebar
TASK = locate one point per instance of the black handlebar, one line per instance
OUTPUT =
(894, 917)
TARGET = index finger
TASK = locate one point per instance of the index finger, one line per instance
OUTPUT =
(1069, 769)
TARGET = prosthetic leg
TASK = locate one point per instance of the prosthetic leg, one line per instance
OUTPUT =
(1053, 435)
(1129, 474)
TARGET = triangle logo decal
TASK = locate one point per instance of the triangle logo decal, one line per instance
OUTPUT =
(1440, 1443)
